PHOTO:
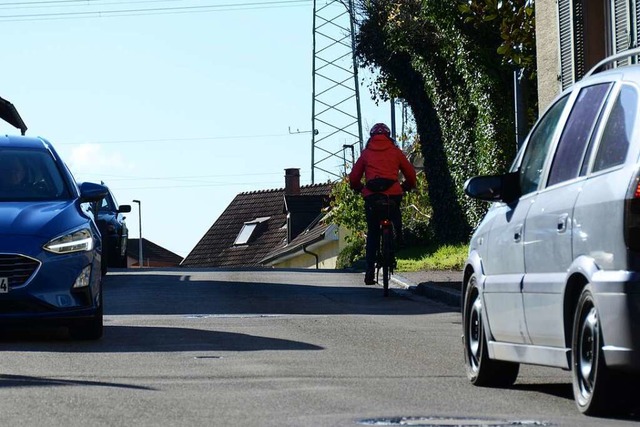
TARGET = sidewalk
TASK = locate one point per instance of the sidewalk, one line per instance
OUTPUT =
(443, 286)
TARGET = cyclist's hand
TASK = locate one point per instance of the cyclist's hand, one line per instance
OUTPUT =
(406, 187)
(358, 189)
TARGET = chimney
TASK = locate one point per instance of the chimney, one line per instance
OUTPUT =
(292, 182)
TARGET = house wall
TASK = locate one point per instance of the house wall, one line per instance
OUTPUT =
(327, 258)
(547, 52)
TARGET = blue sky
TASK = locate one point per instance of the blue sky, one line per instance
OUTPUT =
(181, 111)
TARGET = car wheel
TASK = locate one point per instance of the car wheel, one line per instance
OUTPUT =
(90, 329)
(481, 370)
(596, 389)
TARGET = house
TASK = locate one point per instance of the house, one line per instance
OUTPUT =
(574, 35)
(317, 246)
(283, 227)
(153, 255)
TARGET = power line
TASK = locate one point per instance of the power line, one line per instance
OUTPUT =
(176, 178)
(223, 184)
(154, 11)
(195, 139)
(76, 3)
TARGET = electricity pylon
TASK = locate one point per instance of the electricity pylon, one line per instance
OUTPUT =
(336, 118)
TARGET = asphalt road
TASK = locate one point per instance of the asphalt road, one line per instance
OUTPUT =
(266, 348)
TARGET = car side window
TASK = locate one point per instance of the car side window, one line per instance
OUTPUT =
(577, 133)
(538, 146)
(617, 133)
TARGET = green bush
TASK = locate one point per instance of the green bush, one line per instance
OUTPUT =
(352, 253)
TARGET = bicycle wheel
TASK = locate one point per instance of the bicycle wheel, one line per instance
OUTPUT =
(387, 255)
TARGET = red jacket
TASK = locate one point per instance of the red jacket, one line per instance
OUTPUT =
(382, 159)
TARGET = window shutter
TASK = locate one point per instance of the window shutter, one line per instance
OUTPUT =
(636, 15)
(566, 43)
(621, 21)
(578, 39)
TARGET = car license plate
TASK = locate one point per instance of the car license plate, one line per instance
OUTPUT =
(4, 285)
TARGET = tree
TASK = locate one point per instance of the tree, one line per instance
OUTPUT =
(448, 69)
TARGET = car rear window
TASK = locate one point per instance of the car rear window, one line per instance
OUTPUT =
(617, 133)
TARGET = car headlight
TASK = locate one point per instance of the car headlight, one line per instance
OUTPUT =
(76, 241)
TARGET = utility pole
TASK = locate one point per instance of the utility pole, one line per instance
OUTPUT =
(140, 259)
(335, 112)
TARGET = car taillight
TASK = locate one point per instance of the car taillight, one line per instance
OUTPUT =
(632, 215)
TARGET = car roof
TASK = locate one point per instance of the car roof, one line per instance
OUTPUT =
(23, 141)
(629, 72)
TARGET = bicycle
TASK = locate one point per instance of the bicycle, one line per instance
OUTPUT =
(385, 255)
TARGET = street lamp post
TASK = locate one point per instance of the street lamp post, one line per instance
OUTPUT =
(140, 259)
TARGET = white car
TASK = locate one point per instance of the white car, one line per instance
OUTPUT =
(553, 273)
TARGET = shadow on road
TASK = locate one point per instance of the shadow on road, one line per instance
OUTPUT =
(565, 391)
(258, 292)
(145, 339)
(15, 381)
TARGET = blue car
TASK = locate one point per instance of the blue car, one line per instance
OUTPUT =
(50, 246)
(115, 234)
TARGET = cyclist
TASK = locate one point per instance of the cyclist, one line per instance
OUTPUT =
(380, 162)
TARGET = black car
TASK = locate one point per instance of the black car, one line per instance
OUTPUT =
(115, 235)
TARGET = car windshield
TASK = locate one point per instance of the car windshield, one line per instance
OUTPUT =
(108, 204)
(30, 175)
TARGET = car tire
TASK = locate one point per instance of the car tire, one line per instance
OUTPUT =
(89, 329)
(481, 370)
(597, 390)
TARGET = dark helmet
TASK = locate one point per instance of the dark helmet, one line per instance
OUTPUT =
(380, 129)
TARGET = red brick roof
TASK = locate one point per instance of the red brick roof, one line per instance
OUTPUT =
(217, 249)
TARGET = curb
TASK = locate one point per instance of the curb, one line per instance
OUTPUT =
(447, 295)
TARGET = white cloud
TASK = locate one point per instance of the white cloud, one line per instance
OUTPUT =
(94, 162)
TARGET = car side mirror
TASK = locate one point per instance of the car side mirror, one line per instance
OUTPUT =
(91, 192)
(124, 208)
(494, 188)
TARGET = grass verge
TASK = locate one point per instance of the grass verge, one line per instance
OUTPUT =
(447, 257)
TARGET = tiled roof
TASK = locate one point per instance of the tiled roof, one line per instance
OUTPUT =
(217, 249)
(151, 251)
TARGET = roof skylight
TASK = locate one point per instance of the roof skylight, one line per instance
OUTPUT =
(248, 229)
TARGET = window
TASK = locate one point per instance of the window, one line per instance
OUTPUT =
(577, 132)
(107, 204)
(617, 133)
(248, 230)
(245, 233)
(538, 146)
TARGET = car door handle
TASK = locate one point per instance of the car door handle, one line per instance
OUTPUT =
(562, 223)
(517, 235)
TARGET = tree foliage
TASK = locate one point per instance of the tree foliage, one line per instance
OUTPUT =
(455, 71)
(514, 20)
